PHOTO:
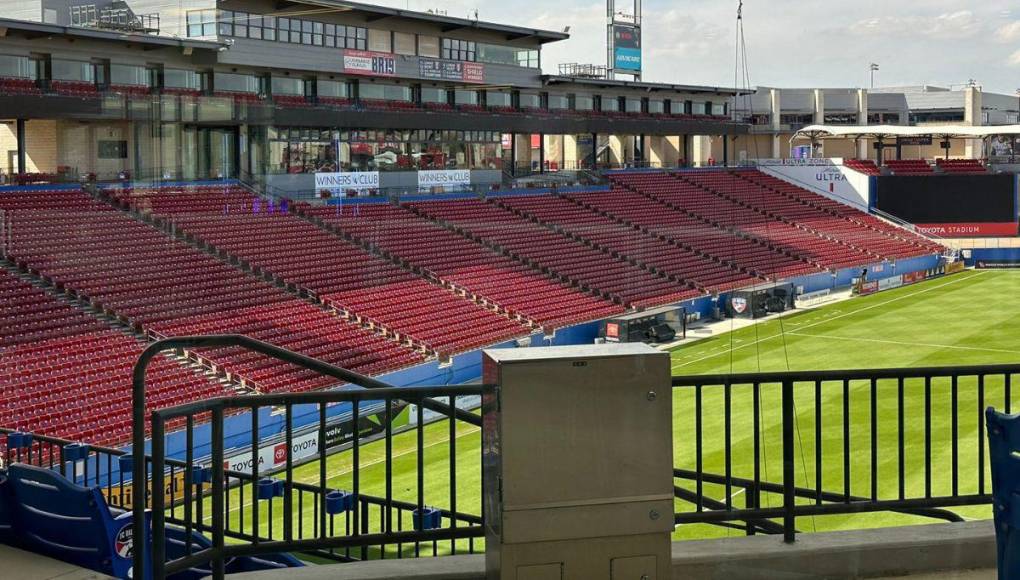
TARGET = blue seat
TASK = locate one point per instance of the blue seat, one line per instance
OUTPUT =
(56, 518)
(1004, 454)
(49, 515)
(5, 510)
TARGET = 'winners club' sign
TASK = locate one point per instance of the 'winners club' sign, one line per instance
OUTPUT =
(443, 178)
(347, 180)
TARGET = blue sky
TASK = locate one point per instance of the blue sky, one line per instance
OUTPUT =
(791, 43)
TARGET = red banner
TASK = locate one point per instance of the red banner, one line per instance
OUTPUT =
(968, 229)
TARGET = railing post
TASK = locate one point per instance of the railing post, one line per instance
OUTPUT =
(218, 492)
(158, 509)
(789, 485)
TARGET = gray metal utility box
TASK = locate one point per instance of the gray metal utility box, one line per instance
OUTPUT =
(577, 463)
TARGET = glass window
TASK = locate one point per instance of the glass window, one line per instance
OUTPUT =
(16, 66)
(268, 28)
(379, 40)
(288, 86)
(201, 23)
(404, 43)
(181, 79)
(283, 26)
(237, 83)
(633, 105)
(333, 89)
(465, 97)
(583, 102)
(428, 46)
(610, 104)
(454, 49)
(497, 99)
(558, 102)
(122, 74)
(656, 107)
(719, 109)
(83, 15)
(530, 101)
(379, 91)
(72, 70)
(433, 95)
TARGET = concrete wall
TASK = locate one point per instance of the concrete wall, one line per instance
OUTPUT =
(40, 147)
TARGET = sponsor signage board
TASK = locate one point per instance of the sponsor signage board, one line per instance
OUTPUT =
(465, 403)
(443, 177)
(966, 229)
(915, 140)
(626, 47)
(274, 455)
(347, 180)
(613, 332)
(376, 64)
(451, 70)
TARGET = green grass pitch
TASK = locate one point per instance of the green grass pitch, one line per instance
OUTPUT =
(968, 318)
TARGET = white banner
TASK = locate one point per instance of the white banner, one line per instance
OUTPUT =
(827, 177)
(275, 455)
(347, 180)
(443, 177)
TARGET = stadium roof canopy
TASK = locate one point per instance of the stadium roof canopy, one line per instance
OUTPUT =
(446, 23)
(889, 131)
(640, 85)
(33, 30)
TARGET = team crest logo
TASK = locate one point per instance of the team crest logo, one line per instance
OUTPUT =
(124, 543)
(739, 305)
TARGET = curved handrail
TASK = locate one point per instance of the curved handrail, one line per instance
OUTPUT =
(224, 341)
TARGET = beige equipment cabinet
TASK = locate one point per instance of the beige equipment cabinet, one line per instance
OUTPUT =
(577, 463)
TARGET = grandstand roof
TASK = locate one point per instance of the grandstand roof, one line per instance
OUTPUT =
(39, 29)
(965, 131)
(645, 86)
(449, 23)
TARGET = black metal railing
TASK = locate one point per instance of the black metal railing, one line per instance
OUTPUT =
(908, 441)
(361, 517)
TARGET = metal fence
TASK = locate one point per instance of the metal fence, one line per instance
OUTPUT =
(364, 518)
(909, 441)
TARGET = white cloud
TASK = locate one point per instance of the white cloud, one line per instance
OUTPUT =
(1014, 59)
(1008, 32)
(949, 25)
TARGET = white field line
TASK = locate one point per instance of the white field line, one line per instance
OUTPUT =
(837, 317)
(361, 465)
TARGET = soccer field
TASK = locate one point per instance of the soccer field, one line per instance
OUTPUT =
(963, 319)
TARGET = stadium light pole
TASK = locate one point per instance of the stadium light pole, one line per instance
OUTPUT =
(873, 68)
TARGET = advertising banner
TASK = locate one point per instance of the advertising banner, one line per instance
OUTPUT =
(378, 64)
(451, 70)
(443, 177)
(626, 47)
(828, 177)
(347, 180)
(274, 455)
(970, 229)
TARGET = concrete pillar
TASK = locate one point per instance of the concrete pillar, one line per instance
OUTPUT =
(570, 160)
(20, 137)
(819, 107)
(522, 152)
(973, 106)
(618, 149)
(553, 146)
(671, 150)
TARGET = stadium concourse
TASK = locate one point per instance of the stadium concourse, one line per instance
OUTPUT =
(91, 275)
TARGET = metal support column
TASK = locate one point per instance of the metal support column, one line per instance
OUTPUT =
(22, 156)
(541, 152)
